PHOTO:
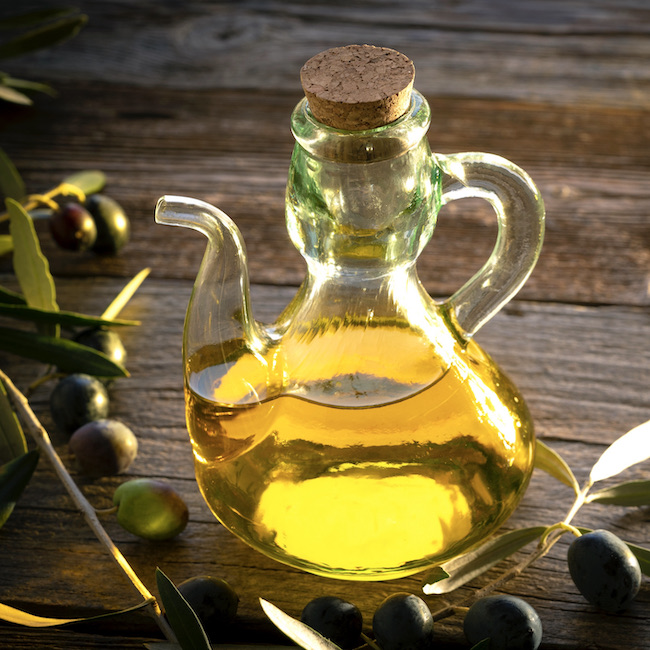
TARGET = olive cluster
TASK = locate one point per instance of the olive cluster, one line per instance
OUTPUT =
(99, 224)
(602, 567)
(101, 446)
(404, 621)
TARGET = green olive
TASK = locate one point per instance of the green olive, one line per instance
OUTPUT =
(150, 509)
(113, 226)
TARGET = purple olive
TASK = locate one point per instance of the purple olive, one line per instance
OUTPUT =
(104, 340)
(336, 619)
(76, 400)
(213, 600)
(403, 621)
(73, 227)
(103, 448)
(604, 570)
(509, 622)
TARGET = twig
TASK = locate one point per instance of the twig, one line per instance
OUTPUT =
(450, 610)
(547, 542)
(34, 201)
(48, 375)
(42, 439)
(369, 642)
(540, 552)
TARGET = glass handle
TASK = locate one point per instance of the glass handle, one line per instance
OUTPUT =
(520, 216)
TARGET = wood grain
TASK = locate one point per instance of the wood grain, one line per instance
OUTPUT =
(549, 51)
(592, 166)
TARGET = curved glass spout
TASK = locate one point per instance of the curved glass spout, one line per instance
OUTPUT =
(219, 311)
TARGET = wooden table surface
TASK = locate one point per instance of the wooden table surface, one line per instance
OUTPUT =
(194, 98)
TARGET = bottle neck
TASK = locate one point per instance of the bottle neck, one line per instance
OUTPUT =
(371, 145)
(362, 202)
(359, 300)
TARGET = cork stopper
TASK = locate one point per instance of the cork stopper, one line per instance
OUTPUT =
(358, 87)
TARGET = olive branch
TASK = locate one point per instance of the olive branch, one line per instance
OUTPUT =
(34, 30)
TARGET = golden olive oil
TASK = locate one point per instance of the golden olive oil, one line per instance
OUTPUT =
(357, 467)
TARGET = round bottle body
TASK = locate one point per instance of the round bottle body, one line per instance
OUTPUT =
(365, 434)
(368, 473)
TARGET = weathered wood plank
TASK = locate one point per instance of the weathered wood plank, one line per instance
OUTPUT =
(592, 166)
(556, 52)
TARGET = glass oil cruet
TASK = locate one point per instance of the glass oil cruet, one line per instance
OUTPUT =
(365, 434)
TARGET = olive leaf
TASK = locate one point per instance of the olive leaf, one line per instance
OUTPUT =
(468, 566)
(68, 356)
(628, 450)
(485, 644)
(6, 244)
(182, 618)
(11, 297)
(20, 617)
(11, 183)
(631, 493)
(30, 18)
(88, 181)
(65, 318)
(297, 631)
(14, 96)
(125, 295)
(643, 556)
(552, 463)
(436, 575)
(26, 84)
(14, 476)
(12, 437)
(30, 265)
(42, 37)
